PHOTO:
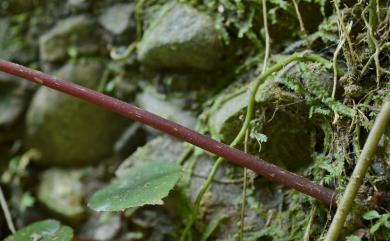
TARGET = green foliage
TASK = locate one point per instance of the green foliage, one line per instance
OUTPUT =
(217, 219)
(379, 221)
(47, 230)
(141, 185)
(353, 238)
(315, 94)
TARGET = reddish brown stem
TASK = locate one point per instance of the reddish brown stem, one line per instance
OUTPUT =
(237, 157)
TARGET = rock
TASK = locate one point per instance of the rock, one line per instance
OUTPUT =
(68, 131)
(225, 194)
(286, 125)
(101, 226)
(117, 18)
(4, 28)
(163, 149)
(180, 37)
(166, 109)
(77, 32)
(133, 137)
(14, 95)
(62, 192)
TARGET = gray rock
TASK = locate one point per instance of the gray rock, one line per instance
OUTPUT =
(117, 18)
(15, 95)
(166, 109)
(101, 226)
(68, 131)
(281, 116)
(133, 137)
(163, 149)
(62, 192)
(75, 32)
(13, 99)
(225, 194)
(180, 37)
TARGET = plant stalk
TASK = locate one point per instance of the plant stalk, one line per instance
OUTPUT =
(358, 173)
(237, 157)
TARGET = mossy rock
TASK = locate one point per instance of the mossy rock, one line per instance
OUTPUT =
(280, 115)
(180, 37)
(61, 191)
(224, 197)
(78, 33)
(68, 131)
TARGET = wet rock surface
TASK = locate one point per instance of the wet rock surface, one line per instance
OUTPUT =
(117, 18)
(286, 125)
(180, 37)
(225, 195)
(166, 108)
(75, 32)
(61, 191)
(68, 131)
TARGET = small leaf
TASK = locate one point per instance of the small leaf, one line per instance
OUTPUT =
(145, 184)
(375, 227)
(353, 238)
(217, 219)
(47, 230)
(370, 215)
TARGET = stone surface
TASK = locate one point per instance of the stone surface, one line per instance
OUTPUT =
(166, 109)
(225, 194)
(14, 95)
(163, 149)
(117, 18)
(77, 32)
(101, 226)
(68, 131)
(180, 37)
(131, 138)
(61, 191)
(286, 125)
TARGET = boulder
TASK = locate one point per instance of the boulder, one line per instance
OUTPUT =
(77, 32)
(68, 131)
(180, 37)
(224, 197)
(61, 191)
(282, 117)
(165, 108)
(117, 18)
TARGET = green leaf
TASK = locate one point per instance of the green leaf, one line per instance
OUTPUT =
(145, 184)
(217, 219)
(47, 230)
(375, 227)
(370, 215)
(353, 238)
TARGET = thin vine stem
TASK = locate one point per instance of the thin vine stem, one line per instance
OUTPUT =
(6, 211)
(244, 191)
(373, 19)
(358, 173)
(301, 24)
(299, 57)
(344, 30)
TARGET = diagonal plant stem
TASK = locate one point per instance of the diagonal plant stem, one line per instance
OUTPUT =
(237, 157)
(358, 173)
(299, 57)
(6, 211)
